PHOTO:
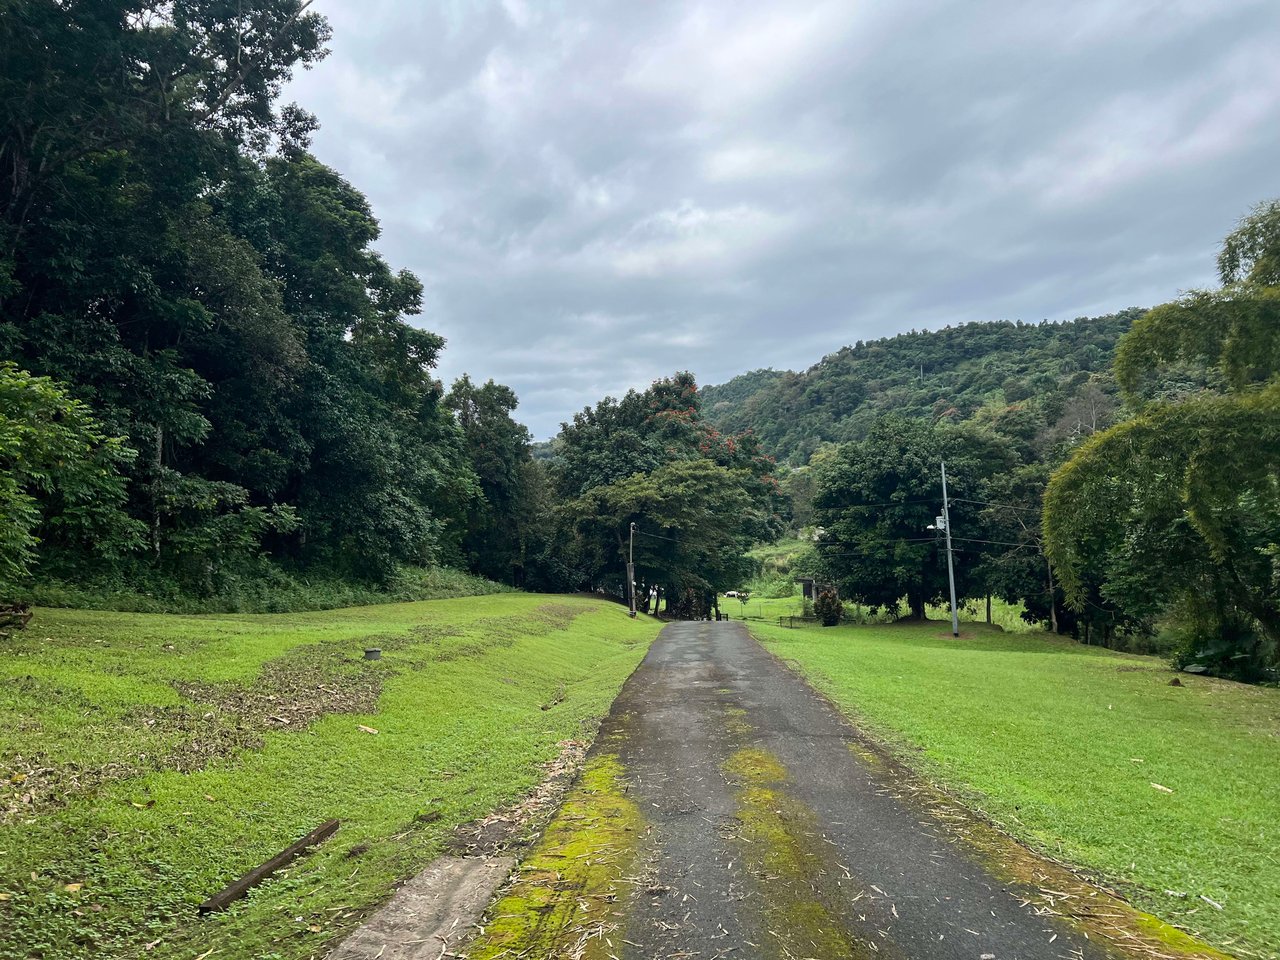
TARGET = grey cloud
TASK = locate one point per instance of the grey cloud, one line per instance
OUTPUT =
(597, 195)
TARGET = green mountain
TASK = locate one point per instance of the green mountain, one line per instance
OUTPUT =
(953, 372)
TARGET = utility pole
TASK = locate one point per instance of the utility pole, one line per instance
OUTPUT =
(631, 573)
(951, 573)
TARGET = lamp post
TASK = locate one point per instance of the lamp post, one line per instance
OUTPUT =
(631, 573)
(951, 573)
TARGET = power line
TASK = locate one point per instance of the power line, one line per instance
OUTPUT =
(658, 536)
(915, 540)
(869, 506)
(870, 545)
(998, 543)
(972, 551)
(859, 543)
(988, 503)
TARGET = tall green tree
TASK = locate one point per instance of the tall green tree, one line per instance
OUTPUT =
(876, 500)
(122, 121)
(1014, 566)
(170, 252)
(696, 520)
(607, 442)
(381, 475)
(505, 522)
(640, 460)
(1177, 510)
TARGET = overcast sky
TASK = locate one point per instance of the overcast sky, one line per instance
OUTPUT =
(600, 193)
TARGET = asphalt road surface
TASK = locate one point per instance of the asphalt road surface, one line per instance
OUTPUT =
(773, 834)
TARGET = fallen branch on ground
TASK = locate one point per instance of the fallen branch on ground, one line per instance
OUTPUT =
(220, 900)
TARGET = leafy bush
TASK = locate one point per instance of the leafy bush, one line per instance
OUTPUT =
(60, 475)
(1230, 645)
(828, 608)
(775, 588)
(263, 587)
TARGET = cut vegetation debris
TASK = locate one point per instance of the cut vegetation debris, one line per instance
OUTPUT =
(1061, 748)
(146, 761)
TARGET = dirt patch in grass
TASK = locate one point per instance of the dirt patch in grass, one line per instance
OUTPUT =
(32, 786)
(215, 721)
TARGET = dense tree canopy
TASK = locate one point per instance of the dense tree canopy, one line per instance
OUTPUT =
(951, 373)
(60, 476)
(877, 500)
(173, 256)
(1176, 511)
(699, 498)
(506, 523)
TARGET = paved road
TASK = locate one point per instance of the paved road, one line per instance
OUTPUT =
(774, 836)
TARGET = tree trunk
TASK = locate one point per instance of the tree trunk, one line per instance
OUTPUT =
(917, 606)
(157, 459)
(1053, 599)
(988, 609)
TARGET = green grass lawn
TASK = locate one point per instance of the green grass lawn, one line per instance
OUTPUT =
(147, 760)
(762, 608)
(1007, 616)
(1061, 743)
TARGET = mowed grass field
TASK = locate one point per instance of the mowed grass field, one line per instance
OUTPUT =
(148, 760)
(1062, 744)
(762, 608)
(1005, 615)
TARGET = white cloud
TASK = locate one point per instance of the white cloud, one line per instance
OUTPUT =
(595, 195)
(690, 239)
(763, 160)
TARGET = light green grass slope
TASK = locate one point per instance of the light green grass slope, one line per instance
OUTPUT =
(153, 801)
(1061, 743)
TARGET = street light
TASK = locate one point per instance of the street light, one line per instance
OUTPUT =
(631, 573)
(951, 572)
(943, 523)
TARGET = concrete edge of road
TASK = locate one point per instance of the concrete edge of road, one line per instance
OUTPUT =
(437, 909)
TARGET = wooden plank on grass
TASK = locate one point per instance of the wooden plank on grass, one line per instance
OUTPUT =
(221, 899)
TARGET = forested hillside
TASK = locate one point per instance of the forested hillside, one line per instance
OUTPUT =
(1116, 477)
(208, 376)
(211, 394)
(949, 373)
